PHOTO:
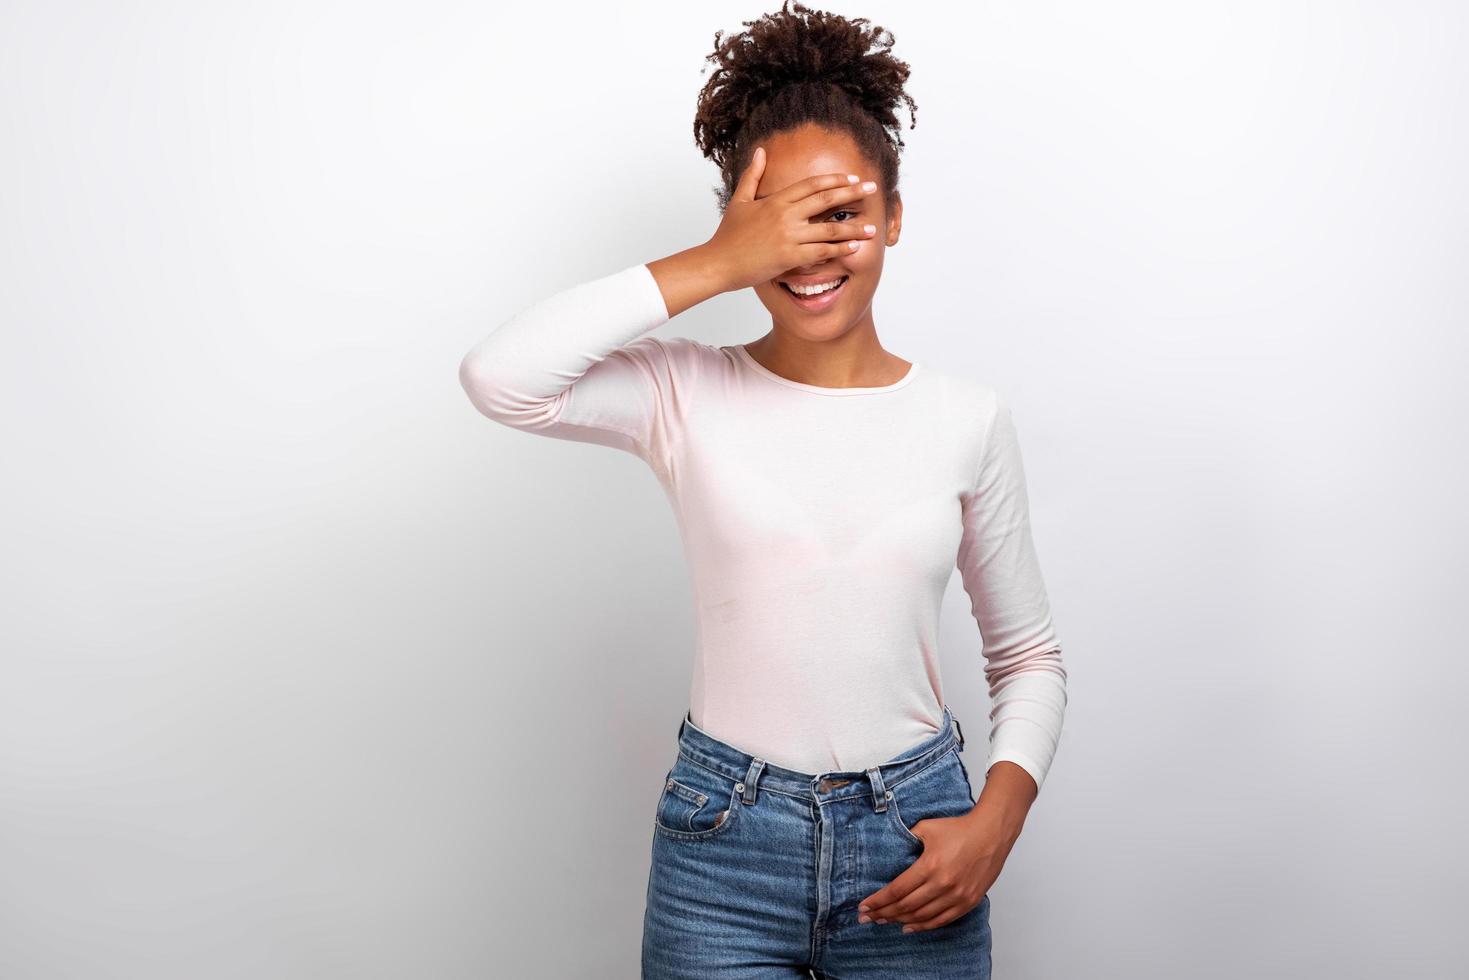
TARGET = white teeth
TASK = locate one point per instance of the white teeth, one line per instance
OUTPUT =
(814, 290)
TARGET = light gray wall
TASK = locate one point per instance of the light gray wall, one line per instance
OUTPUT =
(310, 671)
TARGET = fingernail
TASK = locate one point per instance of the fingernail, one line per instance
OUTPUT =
(864, 908)
(852, 178)
(864, 918)
(907, 928)
(869, 187)
(870, 229)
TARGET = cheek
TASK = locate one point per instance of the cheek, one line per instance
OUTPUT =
(871, 250)
(868, 260)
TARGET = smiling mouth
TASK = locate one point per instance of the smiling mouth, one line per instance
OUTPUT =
(819, 301)
(801, 296)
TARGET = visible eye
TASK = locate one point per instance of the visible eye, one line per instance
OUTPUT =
(833, 215)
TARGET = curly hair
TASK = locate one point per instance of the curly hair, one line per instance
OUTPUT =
(797, 66)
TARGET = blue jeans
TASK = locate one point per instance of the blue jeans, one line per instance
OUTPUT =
(757, 870)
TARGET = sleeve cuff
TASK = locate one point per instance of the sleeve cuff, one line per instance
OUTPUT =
(1036, 769)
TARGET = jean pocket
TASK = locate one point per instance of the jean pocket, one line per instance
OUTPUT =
(968, 783)
(941, 790)
(696, 803)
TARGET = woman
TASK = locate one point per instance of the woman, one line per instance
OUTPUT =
(817, 816)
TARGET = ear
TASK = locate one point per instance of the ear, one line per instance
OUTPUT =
(895, 221)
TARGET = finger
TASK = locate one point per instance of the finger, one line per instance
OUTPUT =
(802, 189)
(836, 231)
(942, 919)
(884, 897)
(910, 890)
(938, 904)
(902, 910)
(825, 199)
(750, 179)
(816, 253)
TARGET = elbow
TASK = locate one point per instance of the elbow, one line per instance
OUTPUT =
(477, 379)
(501, 395)
(489, 389)
(1043, 660)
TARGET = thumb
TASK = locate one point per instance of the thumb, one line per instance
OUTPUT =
(750, 179)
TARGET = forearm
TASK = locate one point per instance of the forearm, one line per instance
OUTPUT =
(689, 277)
(1008, 793)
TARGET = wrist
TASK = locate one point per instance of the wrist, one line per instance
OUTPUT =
(1004, 815)
(689, 277)
(1007, 796)
(714, 267)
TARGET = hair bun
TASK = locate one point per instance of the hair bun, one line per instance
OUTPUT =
(798, 47)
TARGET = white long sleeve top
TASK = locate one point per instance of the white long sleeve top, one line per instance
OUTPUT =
(820, 525)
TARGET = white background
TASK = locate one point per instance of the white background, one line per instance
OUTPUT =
(310, 671)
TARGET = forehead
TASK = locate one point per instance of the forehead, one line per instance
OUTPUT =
(808, 152)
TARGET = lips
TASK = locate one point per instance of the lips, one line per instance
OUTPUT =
(819, 302)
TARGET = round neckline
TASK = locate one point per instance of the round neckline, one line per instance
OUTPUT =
(761, 369)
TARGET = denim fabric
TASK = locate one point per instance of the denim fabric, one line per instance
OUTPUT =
(757, 870)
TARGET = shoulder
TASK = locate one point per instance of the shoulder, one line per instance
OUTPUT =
(973, 403)
(683, 349)
(681, 359)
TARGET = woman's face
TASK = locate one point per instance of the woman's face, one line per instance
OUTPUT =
(808, 152)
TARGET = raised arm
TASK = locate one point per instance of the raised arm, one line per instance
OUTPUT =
(576, 365)
(1002, 575)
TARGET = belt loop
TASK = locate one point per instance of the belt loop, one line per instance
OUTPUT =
(880, 793)
(747, 788)
(960, 729)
